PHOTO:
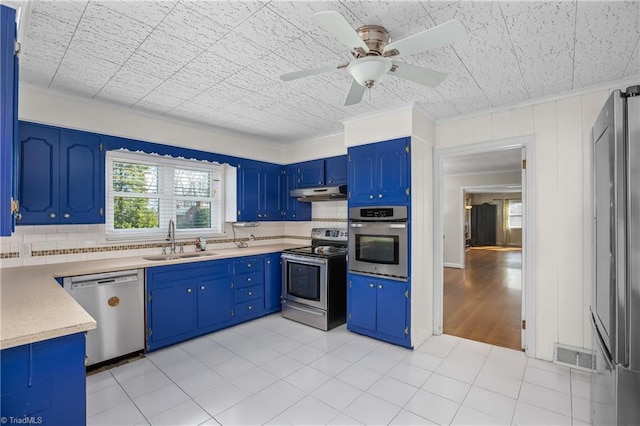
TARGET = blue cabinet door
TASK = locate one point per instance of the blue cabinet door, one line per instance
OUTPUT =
(392, 177)
(310, 173)
(272, 282)
(39, 178)
(361, 301)
(270, 197)
(81, 178)
(292, 209)
(391, 308)
(335, 170)
(172, 312)
(44, 382)
(215, 300)
(8, 116)
(378, 173)
(361, 167)
(249, 191)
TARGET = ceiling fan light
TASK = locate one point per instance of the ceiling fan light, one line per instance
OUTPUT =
(369, 70)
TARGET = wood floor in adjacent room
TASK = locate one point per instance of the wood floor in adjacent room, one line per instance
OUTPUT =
(483, 301)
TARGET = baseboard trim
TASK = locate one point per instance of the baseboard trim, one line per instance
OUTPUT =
(453, 265)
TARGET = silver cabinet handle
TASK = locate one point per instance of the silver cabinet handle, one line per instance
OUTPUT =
(67, 215)
(52, 215)
(380, 286)
(201, 287)
(259, 215)
(250, 294)
(188, 290)
(379, 195)
(250, 307)
(268, 262)
(249, 279)
(371, 285)
(248, 265)
(371, 197)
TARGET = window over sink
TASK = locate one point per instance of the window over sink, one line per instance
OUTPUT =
(146, 191)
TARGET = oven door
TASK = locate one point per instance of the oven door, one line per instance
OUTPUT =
(379, 248)
(304, 280)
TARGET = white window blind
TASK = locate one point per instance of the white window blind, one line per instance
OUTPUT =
(146, 191)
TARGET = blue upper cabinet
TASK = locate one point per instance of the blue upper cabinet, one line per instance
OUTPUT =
(270, 187)
(39, 171)
(8, 115)
(324, 172)
(259, 191)
(81, 178)
(61, 176)
(310, 174)
(248, 191)
(335, 170)
(292, 209)
(379, 173)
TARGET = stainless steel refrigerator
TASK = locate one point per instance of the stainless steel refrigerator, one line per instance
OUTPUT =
(615, 309)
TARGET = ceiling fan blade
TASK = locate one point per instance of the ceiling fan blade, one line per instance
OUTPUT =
(438, 36)
(356, 92)
(335, 24)
(307, 73)
(417, 74)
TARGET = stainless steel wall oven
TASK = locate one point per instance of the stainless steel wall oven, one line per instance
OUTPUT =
(379, 241)
(314, 280)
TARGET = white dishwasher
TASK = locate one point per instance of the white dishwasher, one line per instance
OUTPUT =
(116, 301)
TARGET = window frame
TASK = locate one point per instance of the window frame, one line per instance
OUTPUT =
(509, 215)
(166, 195)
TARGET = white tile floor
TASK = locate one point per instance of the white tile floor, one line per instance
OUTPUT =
(276, 371)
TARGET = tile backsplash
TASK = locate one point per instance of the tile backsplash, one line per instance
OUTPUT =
(72, 243)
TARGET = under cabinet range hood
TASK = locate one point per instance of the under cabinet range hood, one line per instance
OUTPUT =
(321, 193)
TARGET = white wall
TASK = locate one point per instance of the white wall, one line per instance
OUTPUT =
(377, 127)
(48, 107)
(453, 205)
(311, 149)
(422, 142)
(562, 142)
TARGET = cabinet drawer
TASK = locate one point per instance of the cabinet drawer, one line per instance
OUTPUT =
(249, 293)
(249, 307)
(247, 264)
(247, 280)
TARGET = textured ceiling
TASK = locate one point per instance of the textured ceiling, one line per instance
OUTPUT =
(219, 62)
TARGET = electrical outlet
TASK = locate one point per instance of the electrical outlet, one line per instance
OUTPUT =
(25, 250)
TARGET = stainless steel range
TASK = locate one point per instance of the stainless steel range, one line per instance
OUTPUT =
(314, 280)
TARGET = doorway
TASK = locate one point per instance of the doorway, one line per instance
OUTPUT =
(483, 300)
(477, 166)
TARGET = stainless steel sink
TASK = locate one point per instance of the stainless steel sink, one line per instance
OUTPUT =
(177, 256)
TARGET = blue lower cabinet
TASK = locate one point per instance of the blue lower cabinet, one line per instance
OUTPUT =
(272, 282)
(215, 301)
(44, 382)
(379, 308)
(189, 300)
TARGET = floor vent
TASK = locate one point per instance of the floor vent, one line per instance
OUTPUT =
(574, 357)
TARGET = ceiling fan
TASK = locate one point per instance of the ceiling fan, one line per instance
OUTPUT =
(372, 49)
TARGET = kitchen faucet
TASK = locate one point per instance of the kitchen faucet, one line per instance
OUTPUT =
(172, 236)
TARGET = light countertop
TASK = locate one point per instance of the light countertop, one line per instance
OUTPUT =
(34, 307)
